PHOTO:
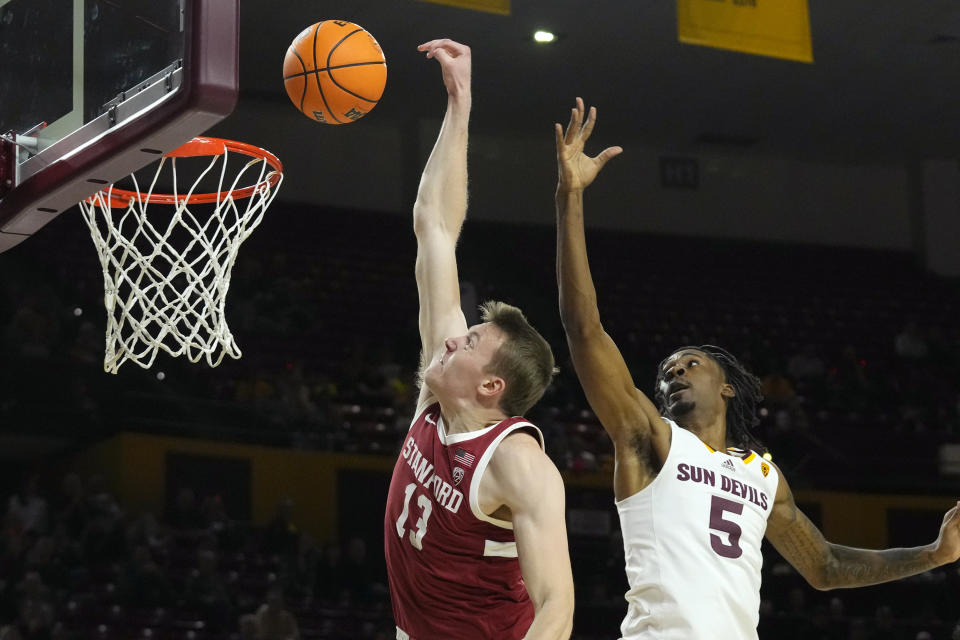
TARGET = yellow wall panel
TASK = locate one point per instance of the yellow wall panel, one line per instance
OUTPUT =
(777, 28)
(134, 467)
(501, 7)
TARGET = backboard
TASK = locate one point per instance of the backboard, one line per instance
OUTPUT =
(93, 90)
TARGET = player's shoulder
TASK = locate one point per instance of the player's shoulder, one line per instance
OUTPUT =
(773, 467)
(520, 437)
(520, 474)
(520, 455)
(520, 442)
(783, 491)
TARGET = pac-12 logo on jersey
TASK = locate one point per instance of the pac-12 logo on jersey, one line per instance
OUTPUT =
(764, 469)
(457, 475)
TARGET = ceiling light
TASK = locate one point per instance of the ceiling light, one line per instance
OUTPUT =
(543, 36)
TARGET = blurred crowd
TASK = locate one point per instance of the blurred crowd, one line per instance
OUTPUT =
(78, 565)
(851, 346)
(75, 564)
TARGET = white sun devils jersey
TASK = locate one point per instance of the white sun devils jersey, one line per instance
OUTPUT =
(692, 544)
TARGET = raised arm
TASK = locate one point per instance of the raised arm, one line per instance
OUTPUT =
(629, 417)
(523, 479)
(832, 566)
(441, 207)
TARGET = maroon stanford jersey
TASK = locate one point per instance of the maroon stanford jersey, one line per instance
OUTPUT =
(453, 569)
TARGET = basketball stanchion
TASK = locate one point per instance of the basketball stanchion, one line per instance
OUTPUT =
(166, 274)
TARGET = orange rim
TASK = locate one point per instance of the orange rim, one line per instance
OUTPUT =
(202, 146)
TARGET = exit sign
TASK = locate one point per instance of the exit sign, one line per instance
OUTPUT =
(679, 173)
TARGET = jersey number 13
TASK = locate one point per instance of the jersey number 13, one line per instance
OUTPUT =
(426, 507)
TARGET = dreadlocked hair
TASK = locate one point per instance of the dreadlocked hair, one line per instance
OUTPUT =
(741, 408)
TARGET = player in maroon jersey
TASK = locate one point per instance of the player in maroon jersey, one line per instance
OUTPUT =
(475, 539)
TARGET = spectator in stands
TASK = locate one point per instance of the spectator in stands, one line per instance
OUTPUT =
(281, 536)
(797, 616)
(205, 589)
(101, 500)
(73, 508)
(858, 629)
(910, 343)
(257, 390)
(274, 621)
(884, 625)
(778, 392)
(31, 332)
(185, 517)
(822, 628)
(143, 584)
(248, 627)
(147, 531)
(10, 632)
(29, 508)
(218, 524)
(12, 551)
(806, 365)
(103, 538)
(837, 612)
(67, 561)
(87, 347)
(293, 391)
(359, 576)
(40, 559)
(847, 381)
(36, 607)
(301, 578)
(330, 573)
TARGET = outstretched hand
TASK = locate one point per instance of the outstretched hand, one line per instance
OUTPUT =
(454, 59)
(576, 169)
(947, 546)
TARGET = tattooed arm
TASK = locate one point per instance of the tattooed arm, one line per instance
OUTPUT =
(832, 566)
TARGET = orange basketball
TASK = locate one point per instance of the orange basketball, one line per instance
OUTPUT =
(334, 72)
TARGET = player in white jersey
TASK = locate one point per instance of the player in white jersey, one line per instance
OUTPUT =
(694, 501)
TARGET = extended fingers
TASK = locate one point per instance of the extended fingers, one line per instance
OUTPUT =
(952, 515)
(607, 154)
(572, 127)
(433, 44)
(451, 47)
(589, 124)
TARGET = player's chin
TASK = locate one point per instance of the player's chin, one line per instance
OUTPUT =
(681, 407)
(431, 375)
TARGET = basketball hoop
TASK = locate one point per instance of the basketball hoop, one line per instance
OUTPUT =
(166, 275)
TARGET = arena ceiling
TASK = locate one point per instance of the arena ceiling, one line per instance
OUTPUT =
(885, 83)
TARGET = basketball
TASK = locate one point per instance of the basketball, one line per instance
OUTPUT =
(334, 72)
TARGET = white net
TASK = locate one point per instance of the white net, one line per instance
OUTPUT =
(166, 274)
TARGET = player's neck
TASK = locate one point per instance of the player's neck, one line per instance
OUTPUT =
(711, 430)
(467, 418)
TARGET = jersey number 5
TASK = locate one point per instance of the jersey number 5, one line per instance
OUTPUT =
(718, 506)
(426, 507)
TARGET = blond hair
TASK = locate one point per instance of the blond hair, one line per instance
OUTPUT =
(524, 359)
